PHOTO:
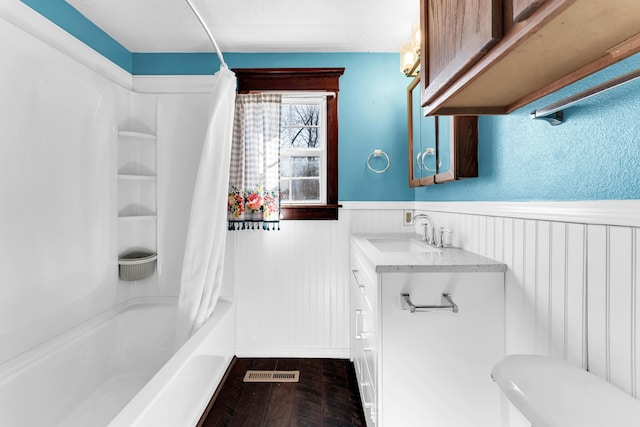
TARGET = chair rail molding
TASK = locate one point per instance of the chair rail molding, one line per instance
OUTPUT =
(376, 205)
(604, 212)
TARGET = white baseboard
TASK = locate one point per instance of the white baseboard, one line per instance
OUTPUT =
(311, 353)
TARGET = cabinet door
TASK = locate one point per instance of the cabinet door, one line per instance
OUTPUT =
(455, 35)
(436, 367)
(437, 145)
(456, 148)
(364, 332)
(422, 137)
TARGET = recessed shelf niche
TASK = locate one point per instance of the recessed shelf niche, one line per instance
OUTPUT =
(137, 200)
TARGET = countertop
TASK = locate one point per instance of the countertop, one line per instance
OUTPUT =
(445, 260)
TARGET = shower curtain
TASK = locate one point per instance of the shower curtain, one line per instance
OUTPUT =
(206, 236)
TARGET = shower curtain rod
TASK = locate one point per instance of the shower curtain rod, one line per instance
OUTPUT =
(206, 29)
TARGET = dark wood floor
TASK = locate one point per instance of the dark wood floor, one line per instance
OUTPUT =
(327, 395)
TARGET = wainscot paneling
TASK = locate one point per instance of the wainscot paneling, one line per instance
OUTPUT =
(571, 285)
(292, 285)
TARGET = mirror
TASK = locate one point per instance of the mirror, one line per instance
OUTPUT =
(422, 141)
(441, 148)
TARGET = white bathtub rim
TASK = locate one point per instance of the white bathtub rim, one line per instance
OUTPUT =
(163, 379)
(46, 349)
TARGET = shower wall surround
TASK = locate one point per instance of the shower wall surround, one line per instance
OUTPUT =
(58, 220)
(58, 163)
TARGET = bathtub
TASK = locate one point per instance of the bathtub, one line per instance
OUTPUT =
(119, 369)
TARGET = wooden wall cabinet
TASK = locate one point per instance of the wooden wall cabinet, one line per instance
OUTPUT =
(492, 57)
(441, 148)
(454, 44)
(522, 9)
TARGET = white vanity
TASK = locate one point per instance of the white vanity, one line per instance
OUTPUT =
(418, 362)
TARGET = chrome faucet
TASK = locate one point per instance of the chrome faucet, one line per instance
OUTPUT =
(428, 226)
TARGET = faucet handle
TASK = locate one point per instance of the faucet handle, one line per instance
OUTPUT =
(425, 232)
(443, 241)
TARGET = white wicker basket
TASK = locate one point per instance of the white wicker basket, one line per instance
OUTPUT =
(137, 264)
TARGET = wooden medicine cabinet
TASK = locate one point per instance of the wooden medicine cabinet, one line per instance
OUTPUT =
(441, 148)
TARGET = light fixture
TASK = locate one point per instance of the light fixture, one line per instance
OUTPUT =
(415, 39)
(407, 59)
(410, 53)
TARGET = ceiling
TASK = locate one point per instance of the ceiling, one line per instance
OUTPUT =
(255, 25)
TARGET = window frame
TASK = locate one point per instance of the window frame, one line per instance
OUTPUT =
(304, 80)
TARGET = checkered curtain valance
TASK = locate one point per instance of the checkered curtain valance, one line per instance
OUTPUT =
(254, 175)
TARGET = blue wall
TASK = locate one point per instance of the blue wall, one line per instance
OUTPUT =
(594, 155)
(372, 110)
(371, 114)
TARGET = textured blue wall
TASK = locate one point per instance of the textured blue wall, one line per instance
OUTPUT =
(372, 114)
(371, 105)
(372, 108)
(594, 155)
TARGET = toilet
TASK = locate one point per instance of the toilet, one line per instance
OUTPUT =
(554, 393)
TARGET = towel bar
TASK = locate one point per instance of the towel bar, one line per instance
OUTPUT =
(553, 112)
(405, 302)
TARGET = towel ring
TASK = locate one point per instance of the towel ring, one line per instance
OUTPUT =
(378, 153)
(424, 157)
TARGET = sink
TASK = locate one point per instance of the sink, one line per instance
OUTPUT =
(402, 244)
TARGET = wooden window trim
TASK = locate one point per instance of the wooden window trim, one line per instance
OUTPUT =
(304, 79)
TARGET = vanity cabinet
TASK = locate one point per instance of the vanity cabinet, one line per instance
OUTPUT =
(426, 368)
(364, 333)
(492, 57)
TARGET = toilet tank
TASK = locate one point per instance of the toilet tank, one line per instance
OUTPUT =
(554, 393)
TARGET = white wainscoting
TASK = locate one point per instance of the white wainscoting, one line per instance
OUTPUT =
(571, 284)
(571, 287)
(292, 285)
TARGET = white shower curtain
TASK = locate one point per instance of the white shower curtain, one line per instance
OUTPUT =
(206, 236)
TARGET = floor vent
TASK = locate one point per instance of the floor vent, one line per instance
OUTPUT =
(272, 377)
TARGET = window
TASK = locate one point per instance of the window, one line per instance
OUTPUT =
(303, 151)
(309, 136)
